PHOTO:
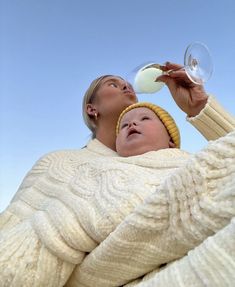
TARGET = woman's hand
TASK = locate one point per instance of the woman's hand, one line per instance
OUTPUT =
(190, 97)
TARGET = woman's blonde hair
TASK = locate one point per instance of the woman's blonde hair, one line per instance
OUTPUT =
(88, 99)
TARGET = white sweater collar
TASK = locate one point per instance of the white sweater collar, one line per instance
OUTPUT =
(167, 155)
(97, 147)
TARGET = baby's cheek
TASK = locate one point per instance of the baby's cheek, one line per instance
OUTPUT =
(119, 142)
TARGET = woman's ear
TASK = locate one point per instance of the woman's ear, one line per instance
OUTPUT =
(171, 144)
(91, 110)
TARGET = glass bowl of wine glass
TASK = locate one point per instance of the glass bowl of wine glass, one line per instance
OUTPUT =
(198, 66)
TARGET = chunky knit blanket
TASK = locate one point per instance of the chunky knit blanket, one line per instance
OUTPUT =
(91, 218)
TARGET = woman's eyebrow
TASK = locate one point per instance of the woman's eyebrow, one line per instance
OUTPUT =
(111, 80)
(115, 80)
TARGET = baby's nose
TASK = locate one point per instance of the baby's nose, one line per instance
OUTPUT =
(132, 123)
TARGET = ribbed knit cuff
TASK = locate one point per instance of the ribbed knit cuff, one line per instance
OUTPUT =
(213, 121)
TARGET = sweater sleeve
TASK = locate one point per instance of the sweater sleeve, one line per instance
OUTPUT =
(42, 238)
(18, 209)
(26, 261)
(193, 203)
(210, 264)
(213, 121)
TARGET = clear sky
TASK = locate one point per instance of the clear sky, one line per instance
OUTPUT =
(50, 51)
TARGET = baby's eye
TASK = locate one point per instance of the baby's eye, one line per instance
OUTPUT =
(124, 125)
(145, 118)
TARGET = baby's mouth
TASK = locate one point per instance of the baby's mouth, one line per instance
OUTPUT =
(132, 131)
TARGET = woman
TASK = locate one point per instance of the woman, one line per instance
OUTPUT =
(71, 201)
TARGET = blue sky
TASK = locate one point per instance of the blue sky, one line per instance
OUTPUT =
(50, 51)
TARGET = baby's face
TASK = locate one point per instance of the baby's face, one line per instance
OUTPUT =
(141, 131)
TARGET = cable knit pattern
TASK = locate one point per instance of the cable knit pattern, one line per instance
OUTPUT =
(213, 121)
(191, 204)
(112, 220)
(210, 264)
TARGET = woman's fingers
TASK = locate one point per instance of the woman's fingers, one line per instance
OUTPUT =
(170, 66)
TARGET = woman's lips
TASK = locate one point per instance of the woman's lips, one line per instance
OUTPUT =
(130, 93)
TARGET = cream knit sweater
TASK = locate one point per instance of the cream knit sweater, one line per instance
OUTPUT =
(91, 218)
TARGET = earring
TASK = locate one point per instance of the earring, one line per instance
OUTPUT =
(96, 116)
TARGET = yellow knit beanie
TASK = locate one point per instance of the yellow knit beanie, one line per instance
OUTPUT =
(163, 115)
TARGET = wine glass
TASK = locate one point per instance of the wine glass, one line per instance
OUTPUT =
(197, 65)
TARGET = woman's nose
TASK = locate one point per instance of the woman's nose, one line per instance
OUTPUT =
(125, 86)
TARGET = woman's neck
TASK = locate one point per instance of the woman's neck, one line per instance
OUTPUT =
(107, 138)
(107, 135)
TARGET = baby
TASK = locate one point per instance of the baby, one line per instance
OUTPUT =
(144, 127)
